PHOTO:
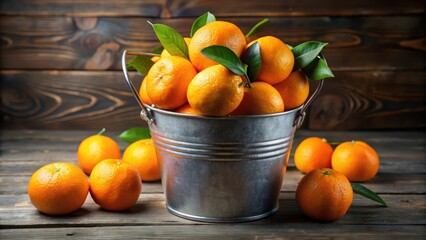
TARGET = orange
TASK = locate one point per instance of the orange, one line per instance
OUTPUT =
(356, 160)
(165, 53)
(215, 33)
(313, 153)
(143, 94)
(115, 185)
(324, 194)
(141, 154)
(187, 109)
(215, 91)
(277, 60)
(167, 82)
(94, 149)
(58, 188)
(294, 89)
(261, 98)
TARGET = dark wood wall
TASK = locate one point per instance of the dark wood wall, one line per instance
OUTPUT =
(60, 60)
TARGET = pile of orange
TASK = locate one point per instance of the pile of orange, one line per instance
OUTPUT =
(325, 192)
(357, 160)
(114, 184)
(200, 86)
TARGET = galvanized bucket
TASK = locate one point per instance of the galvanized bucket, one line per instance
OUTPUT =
(221, 169)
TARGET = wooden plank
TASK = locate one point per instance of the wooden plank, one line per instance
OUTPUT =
(17, 212)
(373, 43)
(69, 100)
(95, 99)
(146, 8)
(370, 100)
(223, 231)
(187, 8)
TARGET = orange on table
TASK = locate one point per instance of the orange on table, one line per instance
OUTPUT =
(187, 109)
(115, 185)
(261, 98)
(143, 94)
(277, 60)
(141, 154)
(313, 153)
(215, 33)
(294, 89)
(58, 188)
(324, 194)
(165, 53)
(215, 91)
(94, 149)
(357, 160)
(168, 80)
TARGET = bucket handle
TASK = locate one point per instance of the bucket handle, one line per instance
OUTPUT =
(302, 113)
(146, 114)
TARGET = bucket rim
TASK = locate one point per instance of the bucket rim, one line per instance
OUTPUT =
(172, 113)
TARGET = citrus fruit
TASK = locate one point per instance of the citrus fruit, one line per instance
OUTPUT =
(115, 185)
(261, 98)
(167, 82)
(165, 53)
(187, 109)
(58, 188)
(141, 154)
(313, 153)
(294, 89)
(324, 194)
(94, 149)
(356, 160)
(277, 60)
(215, 33)
(215, 91)
(143, 94)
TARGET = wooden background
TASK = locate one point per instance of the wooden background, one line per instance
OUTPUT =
(60, 68)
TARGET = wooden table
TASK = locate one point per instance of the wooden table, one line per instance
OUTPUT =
(400, 182)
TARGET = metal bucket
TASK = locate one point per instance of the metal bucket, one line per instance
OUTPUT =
(221, 169)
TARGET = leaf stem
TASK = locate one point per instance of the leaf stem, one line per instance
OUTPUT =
(248, 83)
(102, 131)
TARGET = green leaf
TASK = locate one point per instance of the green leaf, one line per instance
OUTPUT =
(157, 49)
(134, 134)
(141, 63)
(289, 46)
(201, 21)
(171, 40)
(306, 52)
(363, 191)
(253, 60)
(226, 57)
(256, 28)
(317, 70)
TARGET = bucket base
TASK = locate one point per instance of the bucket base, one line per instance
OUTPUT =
(221, 219)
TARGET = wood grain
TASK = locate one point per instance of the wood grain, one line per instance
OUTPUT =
(18, 211)
(371, 100)
(191, 8)
(223, 231)
(96, 99)
(69, 100)
(356, 43)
